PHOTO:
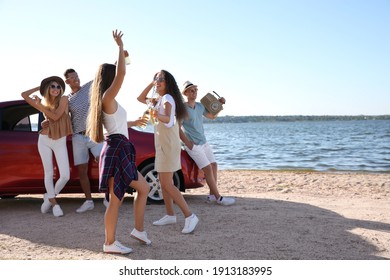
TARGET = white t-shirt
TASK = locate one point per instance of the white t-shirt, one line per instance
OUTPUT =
(160, 107)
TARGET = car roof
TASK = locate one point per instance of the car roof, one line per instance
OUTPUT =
(11, 103)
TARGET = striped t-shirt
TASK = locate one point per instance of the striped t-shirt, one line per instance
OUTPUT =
(78, 108)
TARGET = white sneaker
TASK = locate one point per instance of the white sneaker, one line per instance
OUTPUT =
(190, 224)
(226, 201)
(116, 248)
(46, 205)
(140, 236)
(57, 211)
(166, 220)
(211, 199)
(105, 202)
(87, 205)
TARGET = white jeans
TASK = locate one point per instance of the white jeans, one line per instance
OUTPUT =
(46, 147)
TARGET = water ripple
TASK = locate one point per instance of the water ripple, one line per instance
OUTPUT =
(322, 146)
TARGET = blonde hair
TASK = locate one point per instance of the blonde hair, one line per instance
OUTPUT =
(48, 101)
(103, 80)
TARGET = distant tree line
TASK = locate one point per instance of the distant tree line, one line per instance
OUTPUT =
(296, 118)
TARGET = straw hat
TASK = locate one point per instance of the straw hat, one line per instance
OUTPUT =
(187, 85)
(56, 79)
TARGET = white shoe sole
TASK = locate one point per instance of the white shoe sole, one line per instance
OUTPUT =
(141, 240)
(192, 230)
(164, 222)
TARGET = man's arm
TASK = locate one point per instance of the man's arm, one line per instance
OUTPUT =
(185, 140)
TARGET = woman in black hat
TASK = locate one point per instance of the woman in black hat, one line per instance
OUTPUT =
(51, 139)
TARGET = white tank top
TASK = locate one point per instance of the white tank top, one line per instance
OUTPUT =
(116, 123)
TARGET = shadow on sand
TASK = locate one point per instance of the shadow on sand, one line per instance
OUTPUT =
(263, 229)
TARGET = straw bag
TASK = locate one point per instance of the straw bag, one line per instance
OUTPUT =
(211, 103)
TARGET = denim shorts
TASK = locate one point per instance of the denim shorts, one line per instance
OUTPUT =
(81, 146)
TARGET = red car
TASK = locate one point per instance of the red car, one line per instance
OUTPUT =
(21, 166)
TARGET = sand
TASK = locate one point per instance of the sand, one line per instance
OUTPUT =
(277, 216)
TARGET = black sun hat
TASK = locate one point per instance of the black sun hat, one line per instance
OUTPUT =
(47, 80)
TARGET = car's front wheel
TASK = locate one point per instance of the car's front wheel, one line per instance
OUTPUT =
(151, 176)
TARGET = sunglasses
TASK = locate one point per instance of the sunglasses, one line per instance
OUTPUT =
(54, 86)
(72, 78)
(160, 80)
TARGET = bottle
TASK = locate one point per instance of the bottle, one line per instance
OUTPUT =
(153, 118)
(146, 116)
(127, 57)
(151, 102)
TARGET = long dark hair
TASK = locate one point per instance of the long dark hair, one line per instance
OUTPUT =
(173, 89)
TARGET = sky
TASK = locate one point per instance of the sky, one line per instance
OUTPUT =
(279, 57)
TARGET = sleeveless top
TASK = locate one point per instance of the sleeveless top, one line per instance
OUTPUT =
(116, 123)
(60, 128)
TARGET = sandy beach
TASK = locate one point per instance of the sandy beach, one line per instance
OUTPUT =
(277, 216)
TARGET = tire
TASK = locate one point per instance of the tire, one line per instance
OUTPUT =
(151, 177)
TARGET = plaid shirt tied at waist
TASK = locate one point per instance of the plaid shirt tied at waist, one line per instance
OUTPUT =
(118, 161)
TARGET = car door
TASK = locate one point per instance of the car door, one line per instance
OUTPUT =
(19, 157)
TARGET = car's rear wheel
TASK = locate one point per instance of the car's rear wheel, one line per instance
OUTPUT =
(151, 176)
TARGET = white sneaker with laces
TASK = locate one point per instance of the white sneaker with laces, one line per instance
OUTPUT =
(57, 211)
(166, 220)
(190, 224)
(46, 205)
(226, 201)
(87, 205)
(140, 236)
(116, 248)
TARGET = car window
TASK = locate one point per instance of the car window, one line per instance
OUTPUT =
(20, 117)
(29, 123)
